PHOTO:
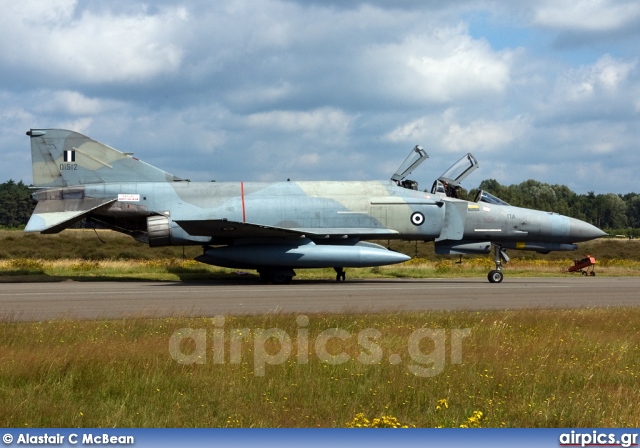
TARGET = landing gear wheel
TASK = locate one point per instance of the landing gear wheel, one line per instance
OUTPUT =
(276, 276)
(585, 273)
(340, 274)
(281, 279)
(495, 276)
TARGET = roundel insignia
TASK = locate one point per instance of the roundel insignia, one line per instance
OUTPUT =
(417, 218)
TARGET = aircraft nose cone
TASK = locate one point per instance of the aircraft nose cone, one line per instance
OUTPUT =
(582, 231)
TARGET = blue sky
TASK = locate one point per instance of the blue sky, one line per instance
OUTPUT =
(332, 90)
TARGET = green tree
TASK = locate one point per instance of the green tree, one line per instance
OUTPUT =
(611, 211)
(633, 210)
(16, 205)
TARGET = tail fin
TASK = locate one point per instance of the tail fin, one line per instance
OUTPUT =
(61, 158)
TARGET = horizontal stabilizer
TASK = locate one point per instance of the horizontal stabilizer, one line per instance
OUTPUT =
(53, 216)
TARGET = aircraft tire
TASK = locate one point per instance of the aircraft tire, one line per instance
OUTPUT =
(276, 276)
(495, 276)
(281, 279)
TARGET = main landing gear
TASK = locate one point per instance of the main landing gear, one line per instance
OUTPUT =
(496, 276)
(281, 276)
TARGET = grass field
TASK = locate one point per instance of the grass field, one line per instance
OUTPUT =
(81, 255)
(530, 368)
(573, 368)
(178, 269)
(105, 244)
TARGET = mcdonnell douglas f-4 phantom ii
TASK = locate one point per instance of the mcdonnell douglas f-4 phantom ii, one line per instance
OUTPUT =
(276, 227)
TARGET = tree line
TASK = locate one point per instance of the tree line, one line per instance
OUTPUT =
(607, 211)
(15, 204)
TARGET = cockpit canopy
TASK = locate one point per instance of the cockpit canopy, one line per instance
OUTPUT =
(483, 196)
(459, 170)
(413, 160)
(449, 182)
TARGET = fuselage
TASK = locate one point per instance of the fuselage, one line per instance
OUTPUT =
(387, 210)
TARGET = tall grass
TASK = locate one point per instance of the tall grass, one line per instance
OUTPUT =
(179, 269)
(105, 244)
(104, 255)
(574, 368)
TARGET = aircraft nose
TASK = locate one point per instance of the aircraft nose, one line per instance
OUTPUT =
(583, 231)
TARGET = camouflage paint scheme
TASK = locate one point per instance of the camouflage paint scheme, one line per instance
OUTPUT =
(276, 227)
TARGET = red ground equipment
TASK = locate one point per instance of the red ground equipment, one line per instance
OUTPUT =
(584, 265)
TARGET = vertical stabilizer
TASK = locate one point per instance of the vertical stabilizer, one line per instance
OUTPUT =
(61, 158)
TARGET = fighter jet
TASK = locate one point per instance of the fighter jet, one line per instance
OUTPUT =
(277, 227)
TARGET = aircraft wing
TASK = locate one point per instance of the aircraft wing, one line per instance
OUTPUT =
(223, 228)
(53, 216)
(231, 229)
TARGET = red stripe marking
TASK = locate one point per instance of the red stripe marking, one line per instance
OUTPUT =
(244, 214)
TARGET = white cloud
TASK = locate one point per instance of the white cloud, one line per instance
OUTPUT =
(51, 13)
(604, 90)
(324, 121)
(587, 15)
(270, 89)
(308, 159)
(260, 94)
(601, 147)
(598, 176)
(483, 135)
(79, 124)
(421, 129)
(592, 138)
(13, 113)
(448, 132)
(607, 74)
(442, 66)
(75, 103)
(54, 38)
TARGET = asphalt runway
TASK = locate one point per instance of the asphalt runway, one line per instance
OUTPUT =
(108, 300)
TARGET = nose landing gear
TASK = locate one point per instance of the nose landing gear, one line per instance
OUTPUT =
(496, 276)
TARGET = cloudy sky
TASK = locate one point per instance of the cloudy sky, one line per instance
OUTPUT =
(332, 89)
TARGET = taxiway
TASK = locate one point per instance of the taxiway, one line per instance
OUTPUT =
(108, 300)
